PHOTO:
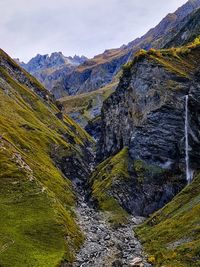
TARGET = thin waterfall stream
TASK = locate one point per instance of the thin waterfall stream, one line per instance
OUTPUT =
(189, 173)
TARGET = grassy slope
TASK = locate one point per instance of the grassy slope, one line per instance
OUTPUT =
(37, 226)
(172, 235)
(113, 169)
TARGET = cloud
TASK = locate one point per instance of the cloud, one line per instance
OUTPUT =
(76, 27)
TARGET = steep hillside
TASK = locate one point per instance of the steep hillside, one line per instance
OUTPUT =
(189, 30)
(37, 222)
(171, 236)
(146, 113)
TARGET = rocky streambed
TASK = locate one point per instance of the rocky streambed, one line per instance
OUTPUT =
(106, 246)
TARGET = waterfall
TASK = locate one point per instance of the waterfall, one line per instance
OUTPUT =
(189, 173)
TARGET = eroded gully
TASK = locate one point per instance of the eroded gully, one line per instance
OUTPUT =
(105, 246)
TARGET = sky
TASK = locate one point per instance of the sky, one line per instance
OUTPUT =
(82, 27)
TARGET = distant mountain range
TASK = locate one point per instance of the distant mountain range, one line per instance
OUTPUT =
(51, 69)
(70, 76)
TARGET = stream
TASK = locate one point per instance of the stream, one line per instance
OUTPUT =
(106, 246)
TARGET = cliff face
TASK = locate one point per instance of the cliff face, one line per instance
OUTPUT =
(146, 113)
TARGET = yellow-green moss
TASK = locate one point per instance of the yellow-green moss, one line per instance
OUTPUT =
(37, 222)
(147, 171)
(181, 60)
(112, 170)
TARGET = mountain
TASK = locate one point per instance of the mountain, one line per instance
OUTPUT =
(50, 69)
(100, 70)
(158, 36)
(40, 149)
(188, 30)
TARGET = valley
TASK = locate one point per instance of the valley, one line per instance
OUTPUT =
(99, 158)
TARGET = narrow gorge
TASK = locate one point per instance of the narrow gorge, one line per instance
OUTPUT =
(100, 157)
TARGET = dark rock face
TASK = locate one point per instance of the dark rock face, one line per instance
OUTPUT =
(94, 128)
(144, 198)
(147, 114)
(194, 122)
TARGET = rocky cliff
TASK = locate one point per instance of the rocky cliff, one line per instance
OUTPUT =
(146, 113)
(175, 29)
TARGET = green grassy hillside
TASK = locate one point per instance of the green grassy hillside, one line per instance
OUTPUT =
(172, 235)
(37, 222)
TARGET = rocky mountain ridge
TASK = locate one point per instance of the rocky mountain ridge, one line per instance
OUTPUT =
(40, 62)
(74, 202)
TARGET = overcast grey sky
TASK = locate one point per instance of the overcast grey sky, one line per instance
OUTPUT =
(84, 27)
